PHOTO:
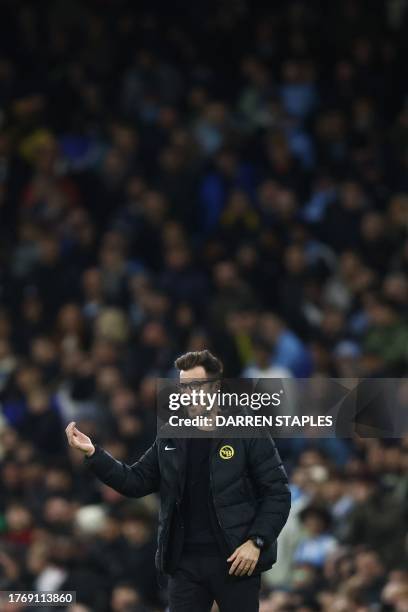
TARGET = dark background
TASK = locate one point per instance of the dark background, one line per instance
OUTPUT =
(181, 176)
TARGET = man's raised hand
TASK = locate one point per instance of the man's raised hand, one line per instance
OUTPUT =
(78, 440)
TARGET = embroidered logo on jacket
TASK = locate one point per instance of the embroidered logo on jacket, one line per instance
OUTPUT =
(227, 452)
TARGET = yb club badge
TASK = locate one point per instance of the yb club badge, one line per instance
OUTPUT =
(227, 452)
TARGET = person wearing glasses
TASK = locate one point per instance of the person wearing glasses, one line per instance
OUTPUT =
(223, 503)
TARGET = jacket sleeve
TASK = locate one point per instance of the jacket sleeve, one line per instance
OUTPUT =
(136, 480)
(270, 482)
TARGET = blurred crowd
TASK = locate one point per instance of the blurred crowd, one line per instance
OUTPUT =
(176, 177)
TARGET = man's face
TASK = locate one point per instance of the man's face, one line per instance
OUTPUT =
(196, 379)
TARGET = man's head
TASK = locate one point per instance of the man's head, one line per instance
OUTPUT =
(199, 370)
(197, 365)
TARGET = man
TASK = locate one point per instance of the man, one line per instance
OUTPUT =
(223, 504)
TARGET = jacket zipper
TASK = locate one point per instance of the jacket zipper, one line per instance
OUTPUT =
(221, 530)
(212, 495)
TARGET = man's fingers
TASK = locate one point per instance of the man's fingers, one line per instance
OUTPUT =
(244, 568)
(251, 568)
(76, 437)
(240, 569)
(235, 566)
(69, 430)
(70, 426)
(81, 436)
(73, 434)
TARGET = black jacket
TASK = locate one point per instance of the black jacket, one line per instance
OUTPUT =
(248, 483)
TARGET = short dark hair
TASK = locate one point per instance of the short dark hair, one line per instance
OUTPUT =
(210, 363)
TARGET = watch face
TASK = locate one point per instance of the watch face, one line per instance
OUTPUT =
(258, 542)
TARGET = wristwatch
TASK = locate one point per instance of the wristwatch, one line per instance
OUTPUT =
(258, 541)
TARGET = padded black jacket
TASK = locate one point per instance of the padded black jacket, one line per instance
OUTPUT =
(248, 483)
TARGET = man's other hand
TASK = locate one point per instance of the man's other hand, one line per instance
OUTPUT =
(78, 440)
(244, 559)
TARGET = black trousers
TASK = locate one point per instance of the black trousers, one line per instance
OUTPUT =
(200, 580)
